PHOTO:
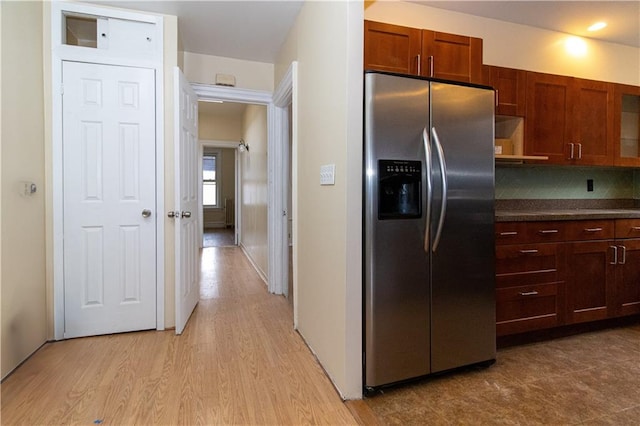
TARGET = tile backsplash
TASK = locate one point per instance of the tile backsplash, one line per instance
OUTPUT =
(549, 182)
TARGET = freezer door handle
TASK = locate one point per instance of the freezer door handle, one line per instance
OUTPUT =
(429, 183)
(443, 172)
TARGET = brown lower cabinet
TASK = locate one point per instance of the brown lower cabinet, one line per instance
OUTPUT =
(555, 273)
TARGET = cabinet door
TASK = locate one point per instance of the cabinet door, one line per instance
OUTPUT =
(510, 86)
(628, 277)
(590, 280)
(626, 125)
(451, 57)
(549, 114)
(391, 48)
(592, 122)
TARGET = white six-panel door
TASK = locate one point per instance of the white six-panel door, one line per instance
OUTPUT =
(186, 189)
(109, 199)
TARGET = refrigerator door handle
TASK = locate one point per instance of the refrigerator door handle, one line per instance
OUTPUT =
(429, 183)
(443, 172)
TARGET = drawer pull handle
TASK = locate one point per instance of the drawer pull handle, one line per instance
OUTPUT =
(615, 255)
(548, 231)
(592, 229)
(624, 255)
(529, 293)
(636, 228)
(532, 251)
(506, 234)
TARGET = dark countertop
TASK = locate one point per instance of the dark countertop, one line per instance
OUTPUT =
(569, 214)
(523, 210)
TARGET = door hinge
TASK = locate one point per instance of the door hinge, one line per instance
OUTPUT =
(62, 89)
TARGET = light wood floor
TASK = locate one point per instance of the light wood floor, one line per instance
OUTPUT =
(218, 237)
(238, 362)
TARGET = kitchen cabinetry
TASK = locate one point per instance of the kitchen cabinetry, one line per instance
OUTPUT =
(626, 125)
(391, 48)
(627, 288)
(529, 286)
(406, 50)
(451, 57)
(590, 270)
(510, 87)
(570, 120)
(565, 272)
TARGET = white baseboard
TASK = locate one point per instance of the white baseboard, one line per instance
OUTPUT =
(263, 277)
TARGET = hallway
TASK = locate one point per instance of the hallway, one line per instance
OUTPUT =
(238, 362)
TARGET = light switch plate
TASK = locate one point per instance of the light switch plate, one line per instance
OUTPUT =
(328, 174)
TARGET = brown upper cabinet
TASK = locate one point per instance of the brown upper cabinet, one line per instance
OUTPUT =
(391, 48)
(626, 132)
(427, 53)
(451, 57)
(510, 87)
(568, 119)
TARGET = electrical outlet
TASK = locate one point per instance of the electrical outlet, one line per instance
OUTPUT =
(328, 174)
(589, 185)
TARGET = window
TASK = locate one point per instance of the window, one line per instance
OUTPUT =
(210, 180)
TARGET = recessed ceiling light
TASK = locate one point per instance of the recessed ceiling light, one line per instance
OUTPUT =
(597, 26)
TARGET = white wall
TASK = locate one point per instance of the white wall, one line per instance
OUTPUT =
(518, 46)
(200, 68)
(326, 40)
(253, 187)
(23, 289)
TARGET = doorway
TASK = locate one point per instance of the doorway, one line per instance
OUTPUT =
(275, 254)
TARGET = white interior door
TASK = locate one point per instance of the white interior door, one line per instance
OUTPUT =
(109, 199)
(187, 245)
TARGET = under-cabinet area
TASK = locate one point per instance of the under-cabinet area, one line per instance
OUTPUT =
(560, 272)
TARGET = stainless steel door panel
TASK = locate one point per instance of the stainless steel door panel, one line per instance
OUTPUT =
(396, 265)
(463, 290)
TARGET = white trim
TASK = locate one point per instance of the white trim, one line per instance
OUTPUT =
(285, 95)
(62, 53)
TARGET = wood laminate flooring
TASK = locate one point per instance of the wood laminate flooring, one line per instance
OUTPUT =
(218, 237)
(239, 361)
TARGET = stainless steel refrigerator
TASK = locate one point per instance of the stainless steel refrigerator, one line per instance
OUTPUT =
(429, 290)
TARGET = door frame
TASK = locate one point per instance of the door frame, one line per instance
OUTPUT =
(206, 143)
(277, 146)
(54, 191)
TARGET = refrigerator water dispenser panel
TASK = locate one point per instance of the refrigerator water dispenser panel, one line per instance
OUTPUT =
(400, 192)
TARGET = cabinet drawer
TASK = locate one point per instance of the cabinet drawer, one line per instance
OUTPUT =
(526, 308)
(540, 232)
(628, 228)
(529, 232)
(511, 232)
(526, 264)
(583, 230)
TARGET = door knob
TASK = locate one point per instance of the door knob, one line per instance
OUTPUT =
(185, 214)
(146, 213)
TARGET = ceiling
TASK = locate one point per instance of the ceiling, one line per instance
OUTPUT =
(572, 17)
(230, 110)
(255, 30)
(241, 29)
